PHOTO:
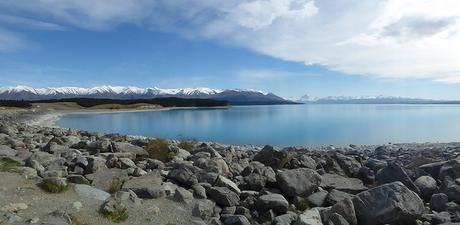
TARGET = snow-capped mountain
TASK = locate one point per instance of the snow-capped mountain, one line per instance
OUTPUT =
(233, 96)
(379, 99)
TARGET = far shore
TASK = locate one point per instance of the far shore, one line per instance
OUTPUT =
(46, 117)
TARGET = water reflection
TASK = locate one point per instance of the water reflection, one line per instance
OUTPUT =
(287, 124)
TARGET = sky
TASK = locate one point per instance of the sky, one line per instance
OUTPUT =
(408, 48)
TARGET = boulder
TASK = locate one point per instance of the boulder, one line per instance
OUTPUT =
(317, 199)
(272, 157)
(95, 164)
(7, 151)
(127, 147)
(182, 195)
(393, 172)
(223, 196)
(431, 169)
(345, 184)
(427, 186)
(236, 220)
(203, 209)
(148, 186)
(335, 196)
(91, 192)
(309, 217)
(391, 203)
(337, 219)
(346, 209)
(184, 175)
(275, 202)
(108, 179)
(438, 202)
(224, 182)
(451, 169)
(286, 219)
(298, 182)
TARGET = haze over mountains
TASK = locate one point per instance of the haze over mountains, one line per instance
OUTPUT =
(380, 99)
(233, 96)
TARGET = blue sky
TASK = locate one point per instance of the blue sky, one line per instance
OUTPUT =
(289, 47)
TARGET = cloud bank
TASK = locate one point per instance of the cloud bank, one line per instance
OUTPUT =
(380, 38)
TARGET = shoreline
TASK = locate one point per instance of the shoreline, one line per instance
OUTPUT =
(230, 181)
(49, 118)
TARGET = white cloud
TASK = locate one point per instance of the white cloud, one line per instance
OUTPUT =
(382, 38)
(266, 74)
(30, 23)
(10, 41)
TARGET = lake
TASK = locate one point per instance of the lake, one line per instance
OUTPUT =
(284, 125)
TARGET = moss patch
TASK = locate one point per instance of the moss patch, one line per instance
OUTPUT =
(8, 165)
(302, 205)
(159, 149)
(187, 144)
(51, 187)
(117, 216)
(76, 220)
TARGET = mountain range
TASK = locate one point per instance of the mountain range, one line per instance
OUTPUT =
(380, 99)
(233, 96)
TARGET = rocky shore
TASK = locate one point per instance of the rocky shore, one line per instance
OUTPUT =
(65, 176)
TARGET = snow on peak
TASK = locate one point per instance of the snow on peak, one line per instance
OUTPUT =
(119, 90)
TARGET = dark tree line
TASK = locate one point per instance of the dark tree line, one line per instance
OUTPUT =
(90, 102)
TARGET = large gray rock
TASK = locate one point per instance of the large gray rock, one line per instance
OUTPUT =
(203, 209)
(223, 196)
(391, 203)
(345, 184)
(127, 147)
(298, 182)
(95, 164)
(7, 151)
(336, 196)
(91, 192)
(184, 175)
(272, 157)
(438, 202)
(337, 219)
(224, 182)
(147, 186)
(431, 169)
(451, 169)
(286, 219)
(310, 217)
(393, 172)
(108, 179)
(346, 209)
(183, 195)
(236, 220)
(317, 199)
(427, 186)
(275, 202)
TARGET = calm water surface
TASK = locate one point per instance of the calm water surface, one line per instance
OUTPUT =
(285, 125)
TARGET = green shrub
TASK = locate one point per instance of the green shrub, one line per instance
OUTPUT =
(51, 187)
(117, 216)
(187, 144)
(159, 149)
(115, 185)
(8, 165)
(302, 205)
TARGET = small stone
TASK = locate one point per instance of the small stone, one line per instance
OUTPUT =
(14, 207)
(182, 195)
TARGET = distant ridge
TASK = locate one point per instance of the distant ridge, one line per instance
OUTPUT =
(372, 100)
(232, 96)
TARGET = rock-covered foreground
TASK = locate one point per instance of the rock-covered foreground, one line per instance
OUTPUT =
(232, 185)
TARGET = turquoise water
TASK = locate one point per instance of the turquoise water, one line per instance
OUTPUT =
(285, 125)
